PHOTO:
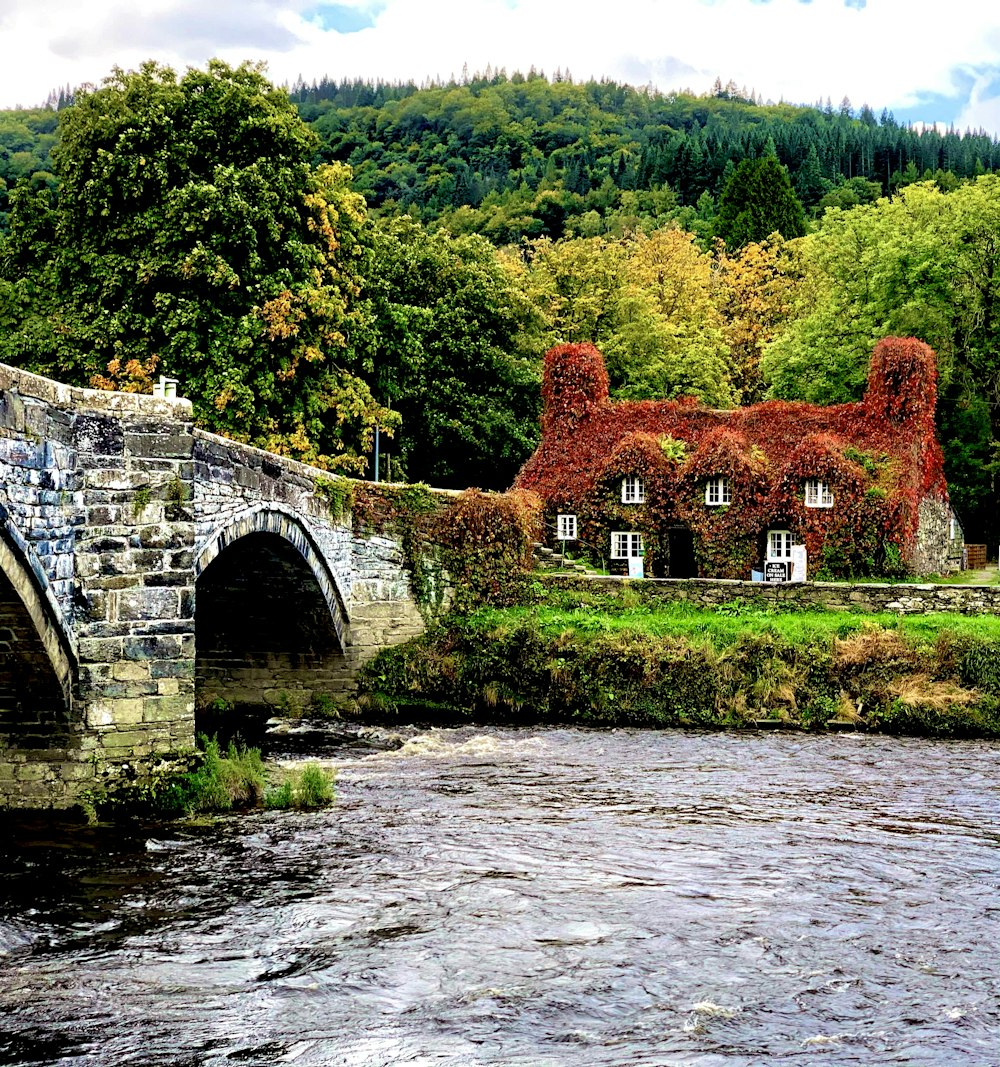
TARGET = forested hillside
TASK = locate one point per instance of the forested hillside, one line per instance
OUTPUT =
(404, 259)
(525, 156)
(26, 142)
(528, 157)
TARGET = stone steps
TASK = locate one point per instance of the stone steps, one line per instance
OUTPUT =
(549, 559)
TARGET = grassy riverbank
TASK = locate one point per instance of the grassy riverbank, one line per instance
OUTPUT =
(612, 657)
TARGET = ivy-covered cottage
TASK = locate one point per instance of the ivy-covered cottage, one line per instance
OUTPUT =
(699, 492)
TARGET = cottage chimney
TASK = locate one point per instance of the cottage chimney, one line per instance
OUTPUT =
(574, 384)
(902, 382)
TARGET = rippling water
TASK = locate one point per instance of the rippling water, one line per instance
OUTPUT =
(537, 898)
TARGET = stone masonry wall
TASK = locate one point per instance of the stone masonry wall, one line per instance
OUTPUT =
(935, 552)
(93, 488)
(383, 611)
(897, 598)
(135, 583)
(237, 483)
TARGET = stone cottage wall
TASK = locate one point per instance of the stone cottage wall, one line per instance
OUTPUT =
(935, 551)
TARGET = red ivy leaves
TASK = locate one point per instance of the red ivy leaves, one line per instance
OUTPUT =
(575, 383)
(485, 540)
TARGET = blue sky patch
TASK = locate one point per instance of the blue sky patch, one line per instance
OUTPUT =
(343, 18)
(933, 107)
(939, 107)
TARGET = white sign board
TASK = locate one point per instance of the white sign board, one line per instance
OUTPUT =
(635, 567)
(799, 561)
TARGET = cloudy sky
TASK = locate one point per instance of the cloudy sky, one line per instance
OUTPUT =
(926, 61)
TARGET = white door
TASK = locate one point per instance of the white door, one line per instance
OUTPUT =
(779, 546)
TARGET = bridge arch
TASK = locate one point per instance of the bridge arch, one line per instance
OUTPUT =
(281, 522)
(270, 621)
(38, 664)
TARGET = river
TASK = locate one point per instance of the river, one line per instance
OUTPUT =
(532, 897)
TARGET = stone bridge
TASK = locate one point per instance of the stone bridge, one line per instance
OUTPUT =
(117, 516)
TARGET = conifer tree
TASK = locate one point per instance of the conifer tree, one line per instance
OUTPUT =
(758, 200)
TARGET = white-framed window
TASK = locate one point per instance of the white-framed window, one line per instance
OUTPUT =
(818, 493)
(626, 543)
(566, 527)
(718, 491)
(952, 526)
(633, 489)
(779, 544)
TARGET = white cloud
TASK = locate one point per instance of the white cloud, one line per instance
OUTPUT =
(982, 110)
(890, 53)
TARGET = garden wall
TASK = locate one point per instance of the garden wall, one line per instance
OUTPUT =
(900, 598)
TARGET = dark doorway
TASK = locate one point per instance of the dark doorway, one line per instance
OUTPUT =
(680, 553)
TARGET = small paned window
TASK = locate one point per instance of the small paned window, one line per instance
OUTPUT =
(718, 491)
(625, 544)
(566, 527)
(779, 544)
(633, 490)
(818, 493)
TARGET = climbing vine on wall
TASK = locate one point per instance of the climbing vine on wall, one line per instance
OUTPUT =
(487, 540)
(406, 512)
(338, 494)
(483, 541)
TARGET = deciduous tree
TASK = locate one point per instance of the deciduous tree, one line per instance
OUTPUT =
(191, 226)
(755, 295)
(454, 349)
(647, 301)
(925, 263)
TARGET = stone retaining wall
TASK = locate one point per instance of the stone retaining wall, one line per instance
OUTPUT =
(899, 598)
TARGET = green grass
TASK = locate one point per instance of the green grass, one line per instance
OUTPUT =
(969, 578)
(234, 779)
(722, 627)
(311, 787)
